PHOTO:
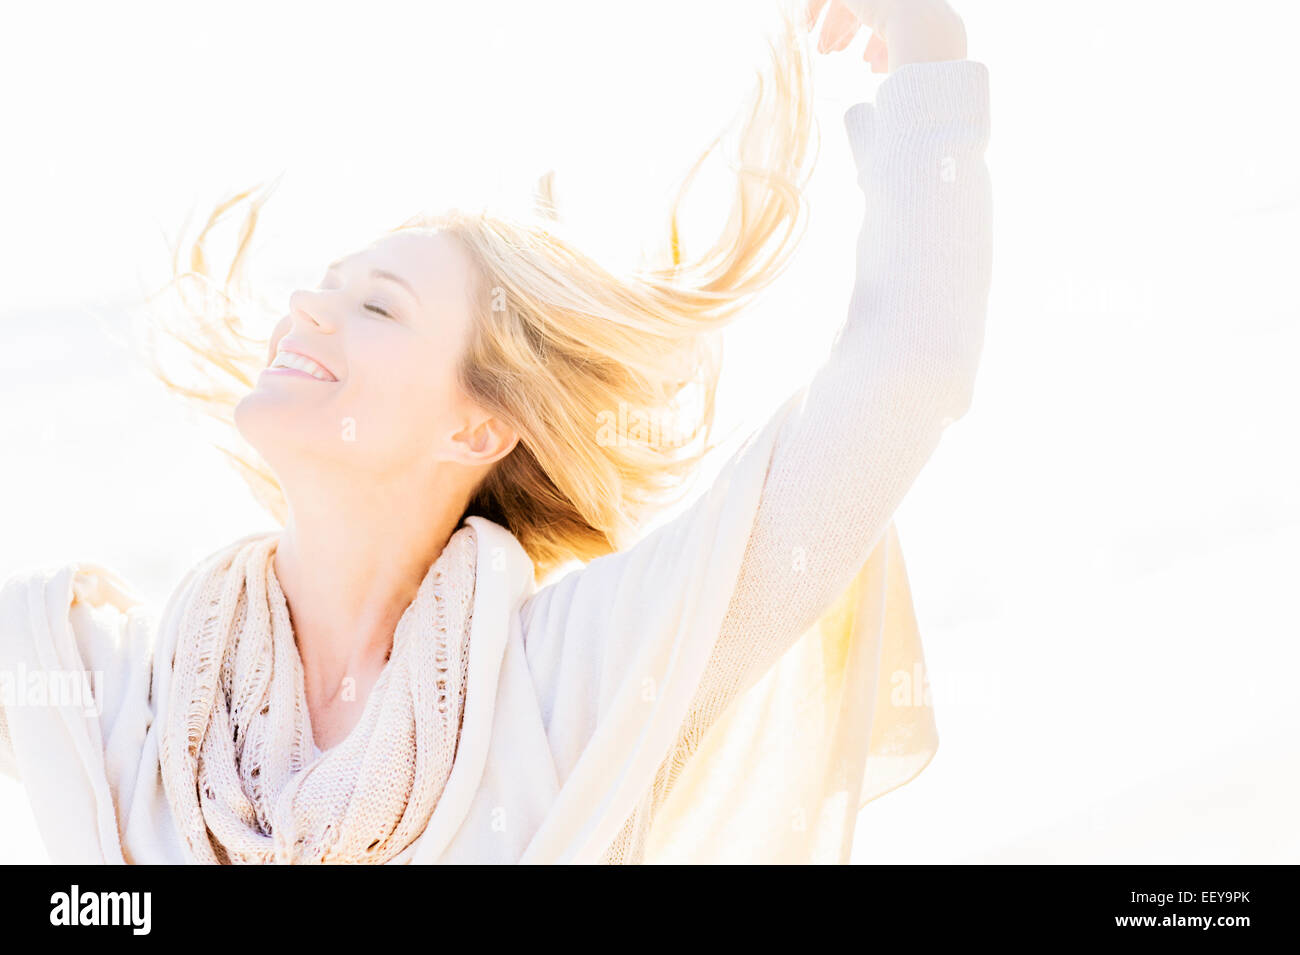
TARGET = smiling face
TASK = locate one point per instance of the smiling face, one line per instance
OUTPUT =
(363, 371)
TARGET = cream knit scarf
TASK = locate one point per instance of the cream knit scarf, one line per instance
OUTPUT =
(238, 762)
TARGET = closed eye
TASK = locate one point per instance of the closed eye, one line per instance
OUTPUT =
(376, 308)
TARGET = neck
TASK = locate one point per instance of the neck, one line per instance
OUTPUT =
(350, 561)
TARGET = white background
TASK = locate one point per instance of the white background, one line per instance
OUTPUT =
(1102, 552)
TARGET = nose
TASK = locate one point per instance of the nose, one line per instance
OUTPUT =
(309, 306)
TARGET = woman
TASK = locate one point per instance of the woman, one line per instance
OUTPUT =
(383, 681)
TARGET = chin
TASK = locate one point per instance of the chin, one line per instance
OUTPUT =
(274, 427)
(296, 439)
(249, 414)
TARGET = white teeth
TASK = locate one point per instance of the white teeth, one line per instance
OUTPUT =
(288, 359)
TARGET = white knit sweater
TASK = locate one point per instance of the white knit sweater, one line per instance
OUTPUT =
(902, 368)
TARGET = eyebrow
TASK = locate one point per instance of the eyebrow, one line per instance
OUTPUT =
(382, 274)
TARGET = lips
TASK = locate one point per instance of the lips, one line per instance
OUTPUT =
(298, 360)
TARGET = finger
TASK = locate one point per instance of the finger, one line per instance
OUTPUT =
(838, 28)
(812, 10)
(877, 54)
(870, 12)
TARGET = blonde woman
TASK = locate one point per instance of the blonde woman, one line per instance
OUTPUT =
(382, 679)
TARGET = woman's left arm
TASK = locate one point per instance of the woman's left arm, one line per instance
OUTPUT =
(903, 367)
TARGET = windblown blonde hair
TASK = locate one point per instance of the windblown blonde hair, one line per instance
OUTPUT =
(559, 344)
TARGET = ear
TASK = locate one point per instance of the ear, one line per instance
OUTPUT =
(483, 440)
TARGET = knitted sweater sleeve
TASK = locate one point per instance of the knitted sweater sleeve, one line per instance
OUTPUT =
(903, 367)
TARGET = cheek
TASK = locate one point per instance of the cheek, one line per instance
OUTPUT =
(405, 391)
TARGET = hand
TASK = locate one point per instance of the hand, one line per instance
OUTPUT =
(902, 31)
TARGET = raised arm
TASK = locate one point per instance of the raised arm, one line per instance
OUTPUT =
(902, 368)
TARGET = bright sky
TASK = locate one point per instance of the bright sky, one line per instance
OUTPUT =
(1099, 551)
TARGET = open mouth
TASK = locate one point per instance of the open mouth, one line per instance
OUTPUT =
(293, 361)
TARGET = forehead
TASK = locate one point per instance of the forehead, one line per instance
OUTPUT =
(432, 262)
